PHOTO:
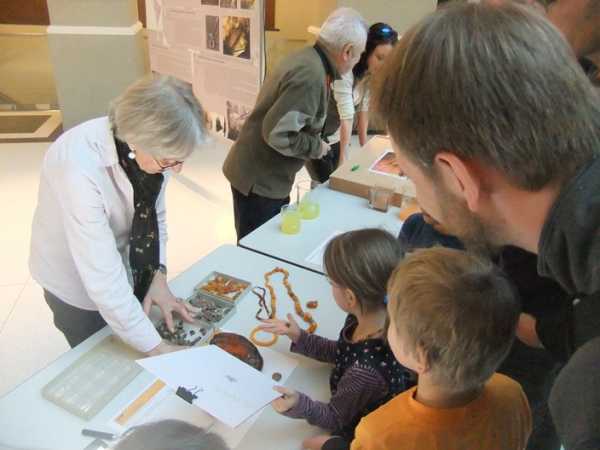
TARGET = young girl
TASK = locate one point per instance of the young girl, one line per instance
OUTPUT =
(366, 375)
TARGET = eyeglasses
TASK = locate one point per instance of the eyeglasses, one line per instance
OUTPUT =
(167, 166)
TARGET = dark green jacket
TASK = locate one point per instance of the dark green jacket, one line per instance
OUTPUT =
(285, 128)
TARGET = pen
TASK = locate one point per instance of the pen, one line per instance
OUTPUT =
(355, 168)
(99, 434)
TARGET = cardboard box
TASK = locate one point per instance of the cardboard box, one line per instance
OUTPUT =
(358, 181)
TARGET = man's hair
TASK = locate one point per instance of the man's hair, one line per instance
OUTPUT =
(493, 83)
(161, 116)
(170, 435)
(362, 261)
(456, 308)
(343, 26)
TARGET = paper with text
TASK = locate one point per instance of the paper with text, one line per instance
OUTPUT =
(225, 387)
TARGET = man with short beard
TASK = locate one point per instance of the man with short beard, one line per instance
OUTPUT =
(499, 129)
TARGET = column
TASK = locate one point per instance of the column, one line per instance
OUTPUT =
(97, 49)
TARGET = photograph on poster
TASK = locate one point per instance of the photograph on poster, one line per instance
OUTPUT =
(236, 116)
(387, 165)
(247, 4)
(236, 37)
(210, 2)
(228, 3)
(212, 33)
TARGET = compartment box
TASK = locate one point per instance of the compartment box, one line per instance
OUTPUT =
(211, 310)
(223, 287)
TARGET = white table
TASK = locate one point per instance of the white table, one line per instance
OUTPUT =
(29, 421)
(339, 212)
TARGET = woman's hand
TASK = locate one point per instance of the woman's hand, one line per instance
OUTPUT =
(290, 328)
(160, 295)
(164, 347)
(287, 401)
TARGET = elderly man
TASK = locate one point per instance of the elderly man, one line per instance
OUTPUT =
(505, 152)
(286, 127)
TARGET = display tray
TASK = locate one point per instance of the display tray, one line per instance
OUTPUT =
(92, 381)
(211, 310)
(186, 334)
(223, 287)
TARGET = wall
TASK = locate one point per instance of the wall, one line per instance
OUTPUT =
(292, 18)
(400, 14)
(97, 50)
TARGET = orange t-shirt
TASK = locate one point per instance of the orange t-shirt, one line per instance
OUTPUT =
(499, 419)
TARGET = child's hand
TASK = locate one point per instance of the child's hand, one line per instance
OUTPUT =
(290, 328)
(287, 400)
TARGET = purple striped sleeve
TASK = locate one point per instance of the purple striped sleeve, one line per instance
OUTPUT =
(315, 347)
(357, 388)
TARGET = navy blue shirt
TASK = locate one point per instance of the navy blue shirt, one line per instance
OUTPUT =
(416, 233)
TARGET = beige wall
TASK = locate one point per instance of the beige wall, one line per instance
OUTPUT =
(293, 17)
(400, 14)
(92, 68)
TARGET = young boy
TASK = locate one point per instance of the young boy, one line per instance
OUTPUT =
(452, 321)
(542, 300)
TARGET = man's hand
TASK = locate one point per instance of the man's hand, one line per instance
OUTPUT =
(160, 295)
(287, 400)
(290, 328)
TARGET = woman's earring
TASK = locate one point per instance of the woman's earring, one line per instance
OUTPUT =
(131, 155)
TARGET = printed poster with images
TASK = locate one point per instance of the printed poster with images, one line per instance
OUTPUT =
(217, 45)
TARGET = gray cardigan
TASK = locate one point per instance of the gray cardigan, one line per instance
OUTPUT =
(284, 129)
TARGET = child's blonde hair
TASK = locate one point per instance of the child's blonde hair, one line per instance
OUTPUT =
(458, 309)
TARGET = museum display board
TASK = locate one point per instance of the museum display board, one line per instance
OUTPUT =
(218, 46)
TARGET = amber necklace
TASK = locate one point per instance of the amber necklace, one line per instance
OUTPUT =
(306, 317)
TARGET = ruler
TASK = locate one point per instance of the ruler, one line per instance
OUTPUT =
(139, 402)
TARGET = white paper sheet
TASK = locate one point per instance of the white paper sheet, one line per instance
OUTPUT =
(275, 362)
(226, 388)
(316, 256)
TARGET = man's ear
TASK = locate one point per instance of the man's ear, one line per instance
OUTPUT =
(348, 51)
(460, 177)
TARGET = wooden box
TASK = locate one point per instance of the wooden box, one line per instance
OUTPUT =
(355, 177)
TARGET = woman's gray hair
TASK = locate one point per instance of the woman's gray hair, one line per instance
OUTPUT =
(344, 26)
(170, 435)
(161, 116)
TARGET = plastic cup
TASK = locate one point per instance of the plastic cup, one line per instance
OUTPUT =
(380, 198)
(290, 219)
(308, 205)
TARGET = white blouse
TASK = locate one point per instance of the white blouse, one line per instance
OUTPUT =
(349, 97)
(80, 233)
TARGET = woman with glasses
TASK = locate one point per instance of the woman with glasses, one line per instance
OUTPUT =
(352, 94)
(99, 234)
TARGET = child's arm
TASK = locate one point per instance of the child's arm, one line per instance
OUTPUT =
(357, 388)
(315, 347)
